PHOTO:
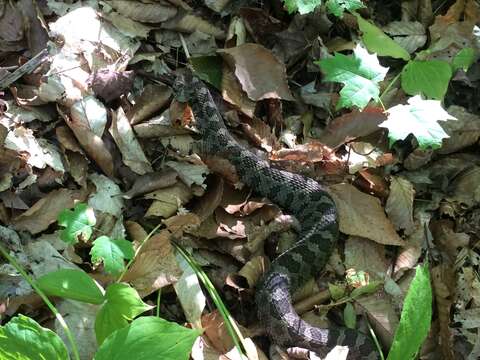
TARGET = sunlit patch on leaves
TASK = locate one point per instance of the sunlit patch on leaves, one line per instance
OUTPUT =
(360, 73)
(420, 118)
(302, 6)
(338, 7)
(78, 223)
(112, 252)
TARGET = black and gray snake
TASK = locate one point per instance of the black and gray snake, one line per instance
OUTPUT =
(304, 198)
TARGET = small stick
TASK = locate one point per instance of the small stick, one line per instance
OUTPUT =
(26, 68)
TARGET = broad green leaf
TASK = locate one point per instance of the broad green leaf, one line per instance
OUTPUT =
(112, 252)
(416, 317)
(349, 316)
(23, 338)
(360, 74)
(336, 291)
(464, 59)
(77, 223)
(302, 6)
(420, 118)
(149, 338)
(122, 304)
(71, 284)
(338, 7)
(429, 78)
(378, 42)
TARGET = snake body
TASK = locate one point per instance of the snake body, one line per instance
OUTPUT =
(304, 198)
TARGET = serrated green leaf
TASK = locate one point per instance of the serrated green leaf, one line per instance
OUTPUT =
(149, 338)
(112, 252)
(338, 7)
(420, 118)
(77, 223)
(71, 284)
(416, 317)
(429, 78)
(378, 42)
(360, 74)
(23, 338)
(302, 6)
(122, 304)
(349, 316)
(464, 59)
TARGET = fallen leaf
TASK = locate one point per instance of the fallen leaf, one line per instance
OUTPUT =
(399, 205)
(362, 215)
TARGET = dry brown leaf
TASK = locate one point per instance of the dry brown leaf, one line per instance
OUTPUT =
(152, 99)
(155, 265)
(311, 152)
(465, 187)
(259, 133)
(151, 182)
(92, 144)
(362, 215)
(443, 280)
(45, 211)
(352, 125)
(233, 93)
(261, 74)
(399, 206)
(463, 132)
(189, 23)
(209, 202)
(159, 126)
(381, 315)
(168, 200)
(149, 13)
(254, 269)
(132, 153)
(365, 255)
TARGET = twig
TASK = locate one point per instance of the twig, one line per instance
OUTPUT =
(26, 68)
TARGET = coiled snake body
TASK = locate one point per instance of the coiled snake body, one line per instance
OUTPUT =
(304, 198)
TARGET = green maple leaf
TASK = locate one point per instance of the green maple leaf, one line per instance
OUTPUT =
(420, 118)
(360, 73)
(112, 252)
(429, 77)
(302, 6)
(77, 223)
(338, 7)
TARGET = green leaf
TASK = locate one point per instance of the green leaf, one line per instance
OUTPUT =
(302, 6)
(149, 338)
(122, 304)
(370, 288)
(360, 74)
(338, 7)
(336, 291)
(23, 338)
(419, 118)
(416, 317)
(429, 78)
(349, 316)
(112, 252)
(208, 68)
(378, 42)
(464, 59)
(77, 223)
(71, 284)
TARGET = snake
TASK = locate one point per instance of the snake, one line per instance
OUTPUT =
(304, 198)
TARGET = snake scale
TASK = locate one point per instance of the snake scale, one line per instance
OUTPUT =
(304, 198)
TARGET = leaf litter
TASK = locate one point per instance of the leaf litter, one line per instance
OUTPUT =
(95, 124)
